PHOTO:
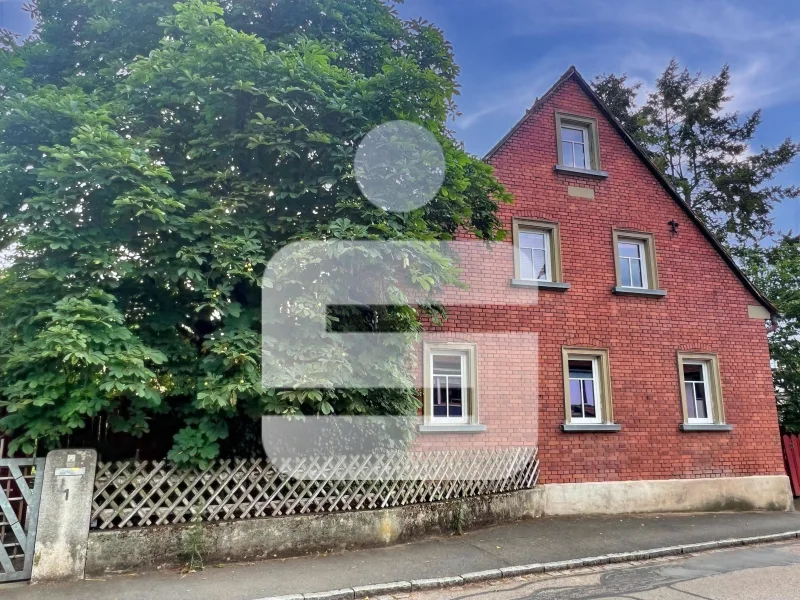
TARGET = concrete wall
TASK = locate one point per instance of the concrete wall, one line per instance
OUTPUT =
(670, 495)
(277, 537)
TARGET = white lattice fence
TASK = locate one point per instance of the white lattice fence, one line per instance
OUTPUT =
(139, 494)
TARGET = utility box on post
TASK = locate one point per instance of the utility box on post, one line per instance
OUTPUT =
(64, 515)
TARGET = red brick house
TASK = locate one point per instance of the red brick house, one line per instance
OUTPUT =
(653, 365)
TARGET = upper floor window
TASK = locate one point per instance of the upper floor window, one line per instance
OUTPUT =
(574, 147)
(635, 258)
(535, 261)
(578, 146)
(632, 263)
(537, 254)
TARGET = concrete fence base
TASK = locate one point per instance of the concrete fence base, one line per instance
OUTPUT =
(278, 537)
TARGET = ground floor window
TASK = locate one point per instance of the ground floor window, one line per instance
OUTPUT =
(584, 393)
(450, 394)
(587, 386)
(701, 393)
(450, 384)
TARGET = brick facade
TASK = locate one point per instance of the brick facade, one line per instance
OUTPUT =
(706, 309)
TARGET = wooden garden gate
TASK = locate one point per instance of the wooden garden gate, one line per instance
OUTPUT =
(791, 457)
(20, 489)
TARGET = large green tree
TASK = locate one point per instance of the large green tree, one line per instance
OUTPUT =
(776, 270)
(706, 153)
(153, 158)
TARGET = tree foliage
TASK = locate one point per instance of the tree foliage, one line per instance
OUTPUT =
(776, 270)
(706, 152)
(621, 98)
(153, 158)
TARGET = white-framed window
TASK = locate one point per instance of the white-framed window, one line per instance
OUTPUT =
(698, 393)
(701, 392)
(635, 258)
(585, 397)
(632, 263)
(451, 396)
(587, 387)
(575, 151)
(578, 142)
(449, 389)
(537, 250)
(535, 260)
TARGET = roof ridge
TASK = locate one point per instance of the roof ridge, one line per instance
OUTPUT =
(540, 100)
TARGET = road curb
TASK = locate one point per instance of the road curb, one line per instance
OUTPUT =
(418, 585)
(381, 589)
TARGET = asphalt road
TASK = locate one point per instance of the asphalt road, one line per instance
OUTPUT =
(756, 573)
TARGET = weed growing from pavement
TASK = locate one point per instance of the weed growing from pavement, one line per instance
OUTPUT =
(193, 545)
(460, 517)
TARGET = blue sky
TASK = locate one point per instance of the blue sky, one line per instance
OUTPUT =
(511, 51)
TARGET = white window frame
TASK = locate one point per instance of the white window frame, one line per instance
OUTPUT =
(640, 244)
(598, 397)
(548, 257)
(551, 231)
(709, 400)
(712, 383)
(585, 134)
(469, 384)
(465, 404)
(601, 374)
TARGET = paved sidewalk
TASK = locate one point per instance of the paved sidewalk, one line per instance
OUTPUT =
(542, 540)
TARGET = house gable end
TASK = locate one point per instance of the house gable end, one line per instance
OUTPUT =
(572, 75)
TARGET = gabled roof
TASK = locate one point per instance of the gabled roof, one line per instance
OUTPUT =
(572, 73)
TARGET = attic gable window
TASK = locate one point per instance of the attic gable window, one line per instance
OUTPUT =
(578, 145)
(575, 147)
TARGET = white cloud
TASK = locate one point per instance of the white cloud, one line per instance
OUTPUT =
(640, 37)
(512, 95)
(720, 20)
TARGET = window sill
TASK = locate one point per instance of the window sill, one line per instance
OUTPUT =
(631, 291)
(556, 286)
(590, 427)
(564, 170)
(706, 427)
(477, 428)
